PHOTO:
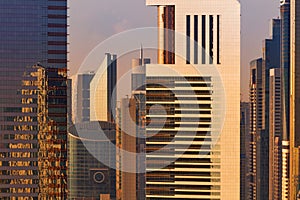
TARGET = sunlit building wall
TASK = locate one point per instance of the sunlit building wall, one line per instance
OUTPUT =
(52, 132)
(294, 169)
(132, 123)
(102, 90)
(127, 180)
(216, 25)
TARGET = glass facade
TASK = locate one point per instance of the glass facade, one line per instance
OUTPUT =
(285, 65)
(52, 129)
(31, 32)
(271, 59)
(89, 178)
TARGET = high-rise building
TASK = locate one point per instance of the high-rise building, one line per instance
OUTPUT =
(285, 66)
(131, 133)
(88, 176)
(204, 170)
(103, 93)
(245, 137)
(285, 86)
(260, 100)
(52, 131)
(31, 32)
(271, 59)
(256, 115)
(275, 136)
(81, 97)
(294, 167)
(127, 181)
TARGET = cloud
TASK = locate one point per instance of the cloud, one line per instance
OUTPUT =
(121, 26)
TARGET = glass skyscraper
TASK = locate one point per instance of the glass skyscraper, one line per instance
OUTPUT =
(31, 32)
(89, 177)
(285, 64)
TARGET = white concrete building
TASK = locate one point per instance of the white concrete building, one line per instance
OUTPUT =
(204, 159)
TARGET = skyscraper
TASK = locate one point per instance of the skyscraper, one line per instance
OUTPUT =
(285, 86)
(271, 59)
(88, 177)
(260, 115)
(132, 122)
(216, 26)
(256, 115)
(245, 137)
(52, 121)
(275, 136)
(285, 66)
(31, 32)
(103, 93)
(294, 169)
(128, 181)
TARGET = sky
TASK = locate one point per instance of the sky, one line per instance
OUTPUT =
(93, 21)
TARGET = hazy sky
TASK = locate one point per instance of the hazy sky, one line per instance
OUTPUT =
(92, 21)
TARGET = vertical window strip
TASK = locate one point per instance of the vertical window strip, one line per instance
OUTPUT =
(218, 39)
(195, 39)
(188, 40)
(203, 39)
(211, 38)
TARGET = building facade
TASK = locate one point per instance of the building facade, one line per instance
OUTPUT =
(203, 170)
(88, 177)
(260, 116)
(131, 134)
(285, 65)
(245, 138)
(256, 115)
(271, 60)
(103, 92)
(81, 97)
(275, 140)
(31, 32)
(285, 85)
(294, 161)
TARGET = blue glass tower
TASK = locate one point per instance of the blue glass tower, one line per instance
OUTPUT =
(31, 32)
(285, 65)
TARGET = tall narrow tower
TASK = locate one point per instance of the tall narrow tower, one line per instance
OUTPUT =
(294, 167)
(103, 93)
(203, 170)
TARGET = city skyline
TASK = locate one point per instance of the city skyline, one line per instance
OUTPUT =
(116, 17)
(173, 99)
